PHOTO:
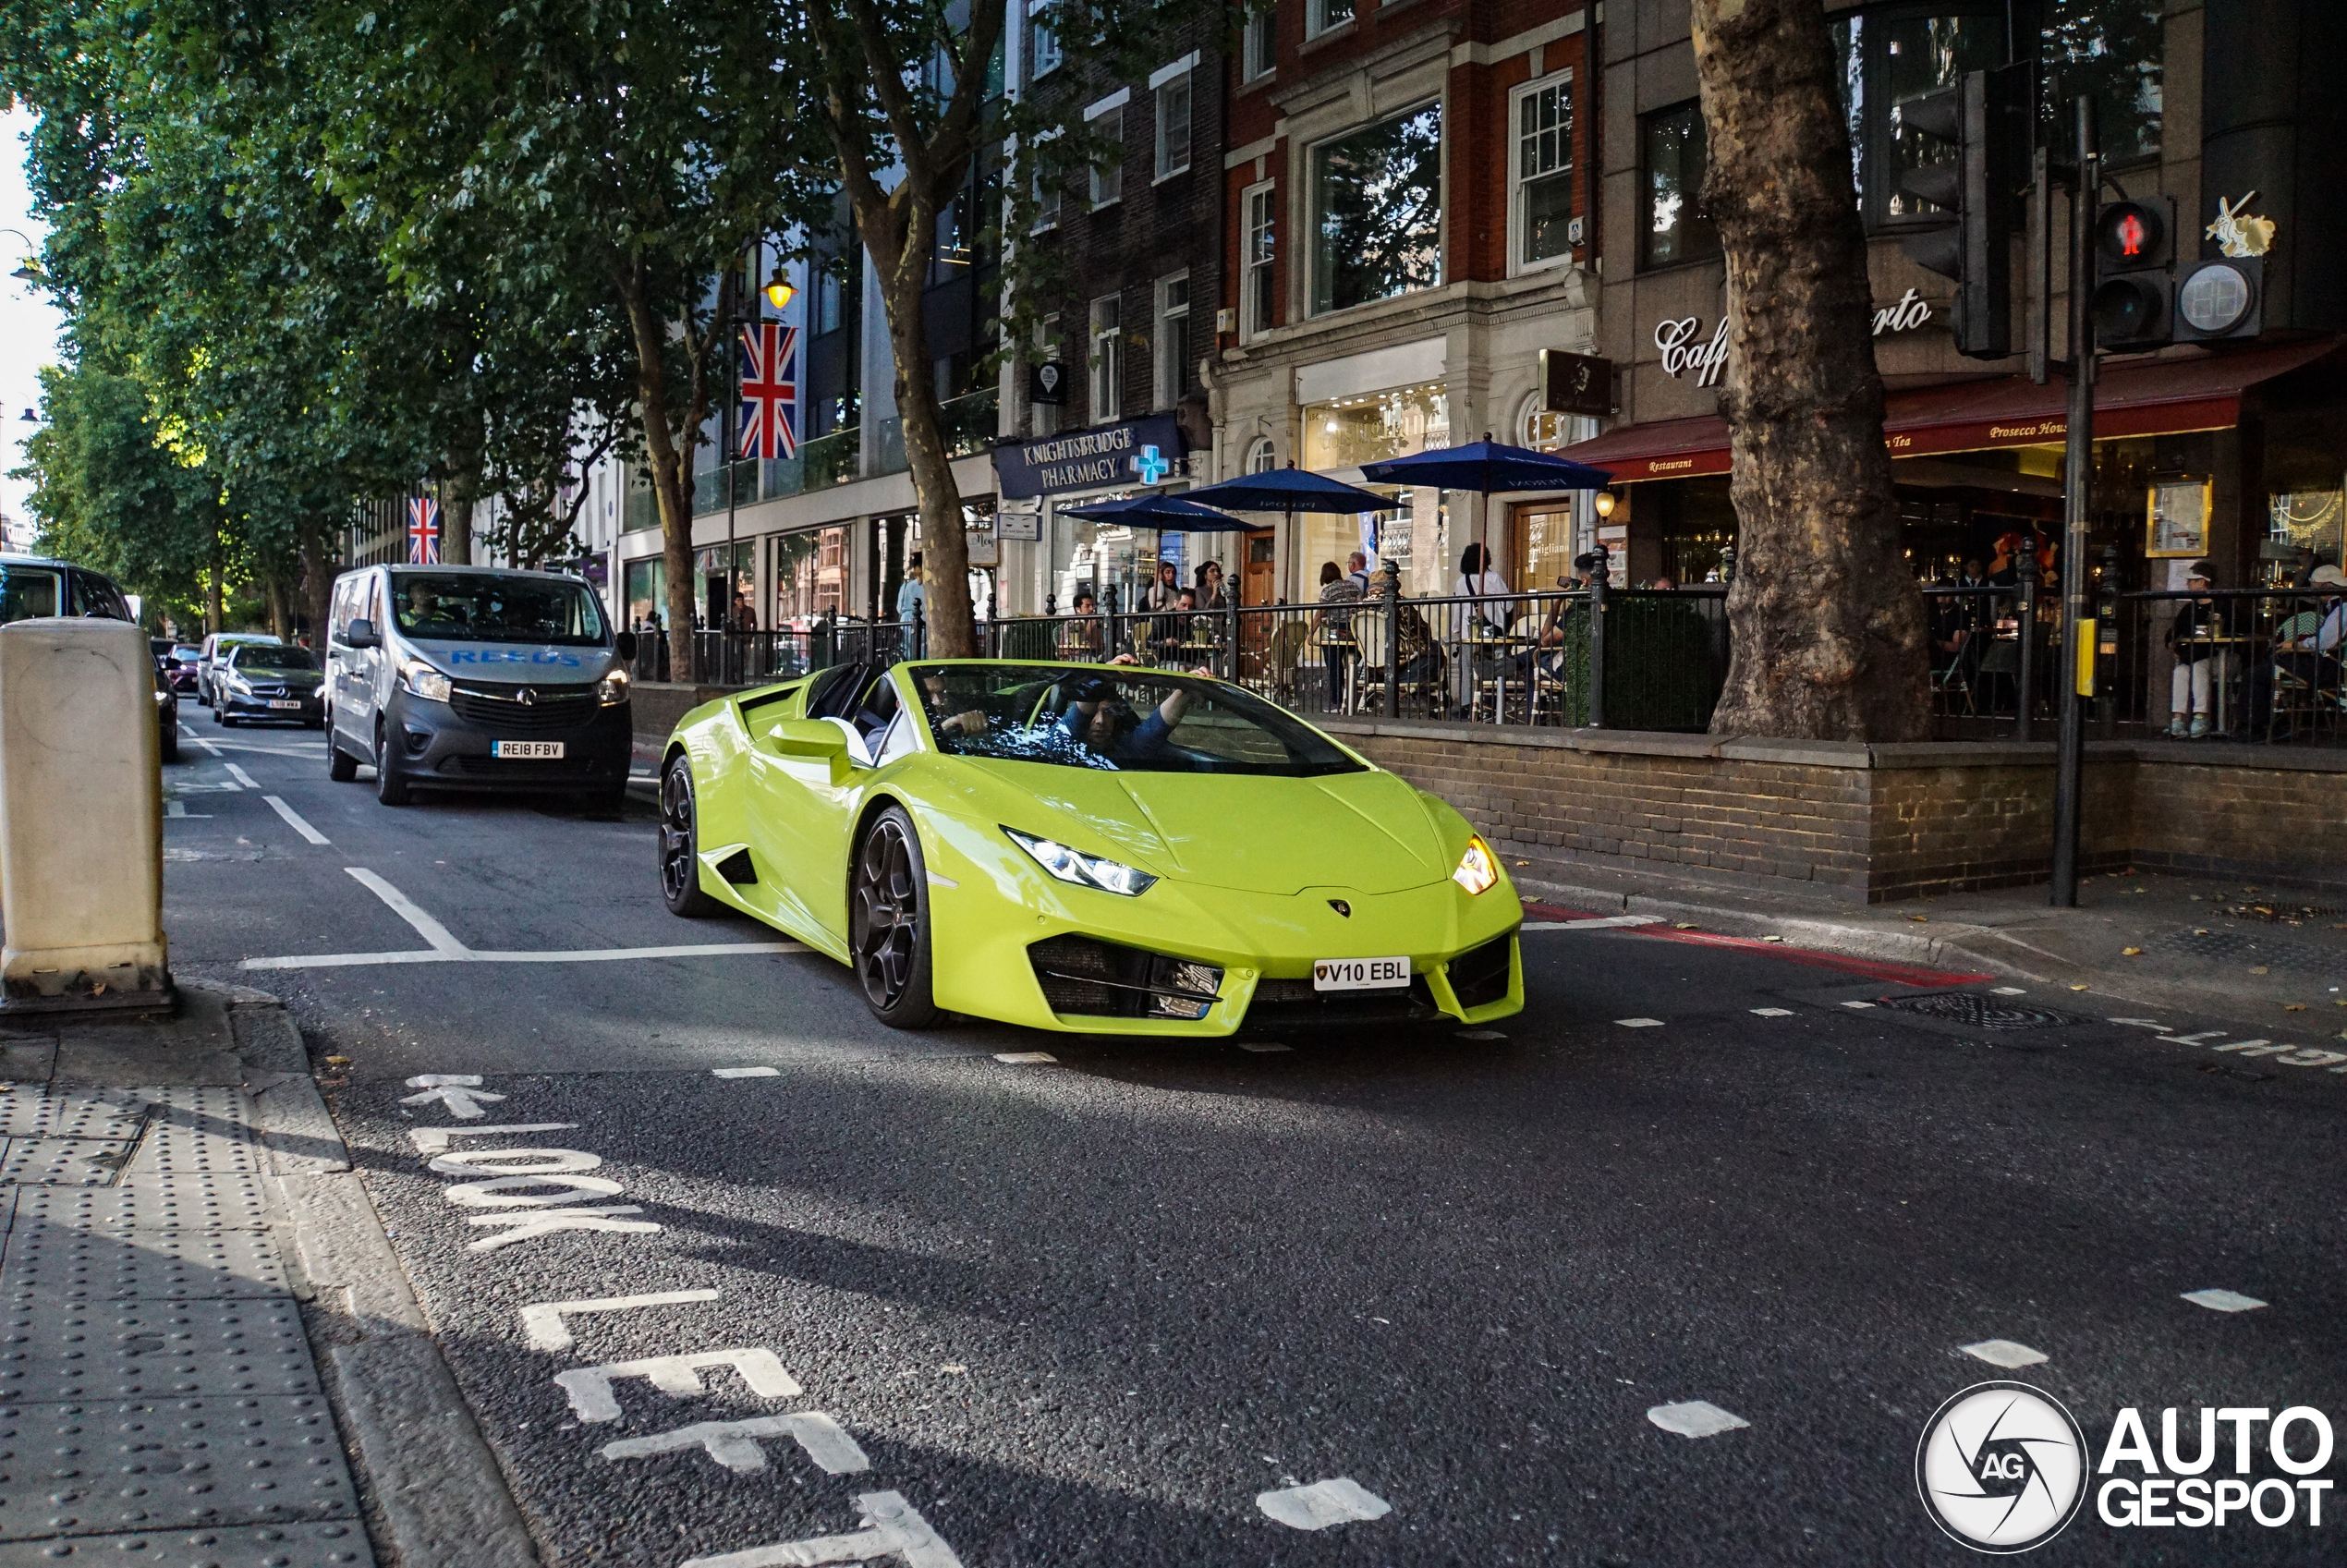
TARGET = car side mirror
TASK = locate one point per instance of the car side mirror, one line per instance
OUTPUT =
(362, 633)
(624, 645)
(818, 740)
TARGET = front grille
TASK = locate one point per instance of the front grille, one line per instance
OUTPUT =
(532, 768)
(1084, 976)
(1293, 1004)
(552, 709)
(1480, 976)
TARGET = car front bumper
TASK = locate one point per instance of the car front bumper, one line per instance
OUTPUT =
(236, 705)
(987, 922)
(436, 746)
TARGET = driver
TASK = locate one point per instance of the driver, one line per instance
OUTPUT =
(423, 604)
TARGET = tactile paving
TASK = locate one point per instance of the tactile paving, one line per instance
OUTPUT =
(69, 1111)
(70, 1350)
(82, 1469)
(32, 1162)
(196, 1131)
(219, 1202)
(56, 1262)
(339, 1544)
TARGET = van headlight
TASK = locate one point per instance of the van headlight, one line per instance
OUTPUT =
(1478, 871)
(612, 690)
(423, 681)
(1083, 871)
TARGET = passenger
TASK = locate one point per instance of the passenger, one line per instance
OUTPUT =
(1097, 720)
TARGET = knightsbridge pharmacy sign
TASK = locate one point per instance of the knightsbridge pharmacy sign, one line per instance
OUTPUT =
(1091, 459)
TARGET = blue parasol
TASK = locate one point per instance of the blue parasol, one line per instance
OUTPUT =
(1488, 467)
(1167, 514)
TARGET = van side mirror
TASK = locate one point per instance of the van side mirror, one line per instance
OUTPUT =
(362, 633)
(624, 645)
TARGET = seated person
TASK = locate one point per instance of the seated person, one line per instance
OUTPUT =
(1096, 719)
(1080, 636)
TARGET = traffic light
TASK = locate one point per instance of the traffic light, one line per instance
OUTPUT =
(2134, 247)
(1985, 120)
(2223, 296)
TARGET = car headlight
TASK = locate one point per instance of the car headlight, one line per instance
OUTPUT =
(612, 690)
(1083, 871)
(238, 683)
(1478, 870)
(424, 681)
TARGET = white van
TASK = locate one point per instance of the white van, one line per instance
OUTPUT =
(474, 677)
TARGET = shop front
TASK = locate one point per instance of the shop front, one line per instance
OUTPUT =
(2237, 458)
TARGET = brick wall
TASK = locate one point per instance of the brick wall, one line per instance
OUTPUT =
(1867, 822)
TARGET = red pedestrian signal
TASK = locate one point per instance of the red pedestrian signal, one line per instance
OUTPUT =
(2134, 250)
(2131, 236)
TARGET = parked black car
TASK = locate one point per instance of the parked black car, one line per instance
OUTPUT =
(168, 717)
(258, 681)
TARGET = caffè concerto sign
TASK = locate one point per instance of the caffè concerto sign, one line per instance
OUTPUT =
(1709, 359)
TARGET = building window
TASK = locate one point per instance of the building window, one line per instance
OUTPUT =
(1108, 361)
(2113, 49)
(1258, 308)
(1172, 338)
(1670, 161)
(1375, 425)
(1259, 42)
(1377, 199)
(1320, 16)
(1260, 455)
(1885, 61)
(1174, 124)
(1108, 166)
(1542, 209)
(1042, 42)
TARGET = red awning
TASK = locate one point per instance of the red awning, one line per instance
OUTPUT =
(2163, 398)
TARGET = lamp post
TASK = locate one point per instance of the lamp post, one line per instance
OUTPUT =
(26, 272)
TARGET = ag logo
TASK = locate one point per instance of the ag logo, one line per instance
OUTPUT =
(2002, 1467)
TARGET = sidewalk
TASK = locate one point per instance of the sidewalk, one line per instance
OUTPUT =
(2201, 944)
(182, 1228)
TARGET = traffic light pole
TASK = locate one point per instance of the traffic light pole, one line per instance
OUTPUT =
(2077, 629)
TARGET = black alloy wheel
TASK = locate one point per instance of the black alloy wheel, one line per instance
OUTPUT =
(391, 785)
(888, 923)
(679, 847)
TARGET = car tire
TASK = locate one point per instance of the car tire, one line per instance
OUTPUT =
(341, 766)
(888, 927)
(391, 785)
(202, 699)
(680, 844)
(171, 743)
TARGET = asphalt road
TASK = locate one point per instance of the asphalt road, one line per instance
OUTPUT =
(1089, 1311)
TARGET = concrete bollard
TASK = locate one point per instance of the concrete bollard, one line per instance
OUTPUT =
(80, 820)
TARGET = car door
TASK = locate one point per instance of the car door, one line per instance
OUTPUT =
(801, 813)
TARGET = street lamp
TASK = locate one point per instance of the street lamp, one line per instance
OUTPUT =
(1605, 504)
(26, 272)
(29, 418)
(779, 293)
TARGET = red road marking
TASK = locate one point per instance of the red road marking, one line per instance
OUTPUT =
(1865, 969)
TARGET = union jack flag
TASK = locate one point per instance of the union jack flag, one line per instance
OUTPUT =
(769, 390)
(423, 531)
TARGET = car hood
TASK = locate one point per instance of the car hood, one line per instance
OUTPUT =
(1370, 832)
(517, 662)
(281, 678)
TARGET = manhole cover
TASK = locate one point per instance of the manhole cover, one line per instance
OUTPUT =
(2253, 948)
(2293, 913)
(1983, 1012)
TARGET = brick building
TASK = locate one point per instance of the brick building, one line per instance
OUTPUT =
(1406, 201)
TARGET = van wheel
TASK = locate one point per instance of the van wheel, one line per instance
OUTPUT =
(680, 844)
(341, 766)
(391, 785)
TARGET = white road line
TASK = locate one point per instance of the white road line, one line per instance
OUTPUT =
(2142, 1022)
(1024, 1058)
(543, 1325)
(744, 1072)
(431, 930)
(198, 740)
(2195, 1040)
(588, 1389)
(1773, 1012)
(1639, 1023)
(2004, 1352)
(892, 1529)
(531, 1223)
(432, 1140)
(1695, 1418)
(2223, 1300)
(1316, 1507)
(2007, 991)
(293, 820)
(733, 1444)
(460, 1092)
(1611, 923)
(447, 949)
(1263, 1046)
(242, 777)
(1857, 1005)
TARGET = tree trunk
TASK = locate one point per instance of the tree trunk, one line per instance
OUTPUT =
(1827, 622)
(317, 579)
(215, 616)
(280, 616)
(457, 494)
(903, 249)
(672, 478)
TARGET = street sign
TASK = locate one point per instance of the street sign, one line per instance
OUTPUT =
(1047, 382)
(1576, 383)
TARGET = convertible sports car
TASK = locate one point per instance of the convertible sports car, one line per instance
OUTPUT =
(1087, 848)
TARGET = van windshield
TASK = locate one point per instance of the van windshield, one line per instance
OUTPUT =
(479, 607)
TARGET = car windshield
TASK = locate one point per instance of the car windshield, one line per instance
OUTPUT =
(186, 651)
(1117, 718)
(28, 591)
(273, 661)
(479, 607)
